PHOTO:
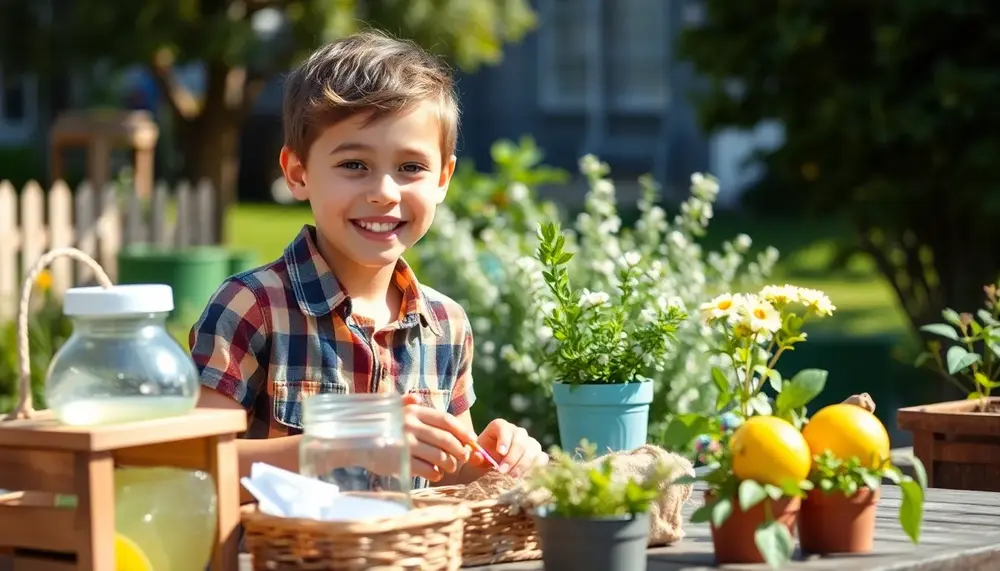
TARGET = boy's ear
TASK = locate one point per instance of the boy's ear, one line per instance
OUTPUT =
(447, 171)
(294, 170)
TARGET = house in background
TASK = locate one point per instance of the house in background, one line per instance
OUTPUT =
(597, 76)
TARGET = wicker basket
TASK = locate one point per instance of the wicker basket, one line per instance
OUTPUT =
(494, 532)
(427, 538)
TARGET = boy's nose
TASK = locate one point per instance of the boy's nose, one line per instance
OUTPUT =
(385, 191)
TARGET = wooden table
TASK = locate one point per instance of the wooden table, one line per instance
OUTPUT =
(961, 532)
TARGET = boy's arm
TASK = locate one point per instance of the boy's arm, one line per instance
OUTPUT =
(229, 344)
(282, 452)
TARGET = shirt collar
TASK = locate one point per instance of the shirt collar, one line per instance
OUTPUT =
(319, 293)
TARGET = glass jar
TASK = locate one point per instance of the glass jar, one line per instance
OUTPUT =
(120, 364)
(356, 442)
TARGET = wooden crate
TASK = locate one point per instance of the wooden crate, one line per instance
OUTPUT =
(41, 458)
(959, 448)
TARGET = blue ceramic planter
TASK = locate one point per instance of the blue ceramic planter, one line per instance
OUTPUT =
(612, 416)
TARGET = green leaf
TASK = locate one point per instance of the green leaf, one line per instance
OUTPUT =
(951, 316)
(920, 472)
(775, 543)
(959, 359)
(702, 514)
(975, 395)
(942, 330)
(774, 492)
(721, 511)
(985, 381)
(684, 428)
(750, 494)
(685, 480)
(911, 510)
(720, 380)
(871, 480)
(803, 388)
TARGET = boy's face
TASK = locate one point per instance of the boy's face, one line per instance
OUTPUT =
(373, 188)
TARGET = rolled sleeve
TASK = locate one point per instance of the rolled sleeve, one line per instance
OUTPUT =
(463, 394)
(229, 343)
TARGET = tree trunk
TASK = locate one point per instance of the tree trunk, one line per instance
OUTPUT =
(210, 149)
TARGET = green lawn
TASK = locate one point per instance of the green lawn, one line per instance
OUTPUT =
(865, 302)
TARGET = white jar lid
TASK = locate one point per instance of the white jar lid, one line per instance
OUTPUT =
(118, 300)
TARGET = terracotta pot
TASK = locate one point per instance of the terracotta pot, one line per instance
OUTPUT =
(835, 523)
(733, 540)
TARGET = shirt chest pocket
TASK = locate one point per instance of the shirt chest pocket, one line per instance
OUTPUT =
(289, 395)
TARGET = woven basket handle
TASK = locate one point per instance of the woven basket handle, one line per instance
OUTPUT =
(25, 408)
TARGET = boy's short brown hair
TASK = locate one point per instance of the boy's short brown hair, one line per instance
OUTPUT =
(368, 72)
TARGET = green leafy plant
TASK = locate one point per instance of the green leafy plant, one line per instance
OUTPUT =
(832, 475)
(597, 337)
(975, 352)
(578, 488)
(754, 331)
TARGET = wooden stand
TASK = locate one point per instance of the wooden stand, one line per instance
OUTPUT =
(44, 458)
(40, 458)
(959, 448)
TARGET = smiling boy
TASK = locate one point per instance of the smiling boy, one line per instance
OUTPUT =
(370, 127)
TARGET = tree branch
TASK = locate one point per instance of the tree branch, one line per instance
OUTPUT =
(179, 98)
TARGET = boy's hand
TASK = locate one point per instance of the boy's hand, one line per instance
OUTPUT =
(437, 440)
(511, 447)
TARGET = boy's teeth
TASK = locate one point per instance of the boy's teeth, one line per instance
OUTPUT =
(378, 226)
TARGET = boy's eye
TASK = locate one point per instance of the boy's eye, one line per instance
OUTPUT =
(352, 165)
(413, 168)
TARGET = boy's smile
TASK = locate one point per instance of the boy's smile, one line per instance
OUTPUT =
(373, 185)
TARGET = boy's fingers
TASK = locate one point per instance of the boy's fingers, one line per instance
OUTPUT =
(434, 456)
(429, 434)
(411, 399)
(445, 422)
(424, 470)
(505, 437)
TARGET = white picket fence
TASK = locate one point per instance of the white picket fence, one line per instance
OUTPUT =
(99, 223)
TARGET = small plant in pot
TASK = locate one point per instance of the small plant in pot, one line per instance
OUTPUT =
(601, 344)
(593, 520)
(756, 460)
(959, 441)
(838, 514)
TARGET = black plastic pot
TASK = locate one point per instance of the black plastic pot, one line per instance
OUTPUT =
(609, 544)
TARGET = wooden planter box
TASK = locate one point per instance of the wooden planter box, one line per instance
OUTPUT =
(959, 448)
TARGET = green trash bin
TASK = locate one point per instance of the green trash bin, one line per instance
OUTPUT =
(193, 272)
(241, 261)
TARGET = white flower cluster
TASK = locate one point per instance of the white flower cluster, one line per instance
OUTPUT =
(497, 279)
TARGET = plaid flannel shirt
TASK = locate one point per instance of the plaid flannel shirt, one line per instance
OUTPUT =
(272, 336)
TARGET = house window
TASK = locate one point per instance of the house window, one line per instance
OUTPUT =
(620, 47)
(637, 54)
(18, 107)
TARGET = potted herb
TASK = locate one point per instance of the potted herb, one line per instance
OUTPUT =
(601, 343)
(838, 514)
(959, 441)
(756, 459)
(592, 519)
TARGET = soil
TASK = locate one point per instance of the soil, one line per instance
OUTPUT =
(992, 408)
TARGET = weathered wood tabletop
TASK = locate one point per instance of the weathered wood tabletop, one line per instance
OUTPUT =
(961, 532)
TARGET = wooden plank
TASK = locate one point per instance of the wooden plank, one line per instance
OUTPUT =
(32, 521)
(95, 529)
(86, 234)
(190, 454)
(28, 562)
(109, 232)
(184, 219)
(225, 471)
(158, 210)
(36, 470)
(9, 245)
(45, 432)
(60, 225)
(961, 533)
(32, 226)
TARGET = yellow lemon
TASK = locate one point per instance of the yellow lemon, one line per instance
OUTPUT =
(847, 431)
(769, 450)
(129, 556)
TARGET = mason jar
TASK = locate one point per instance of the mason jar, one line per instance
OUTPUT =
(356, 442)
(120, 364)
